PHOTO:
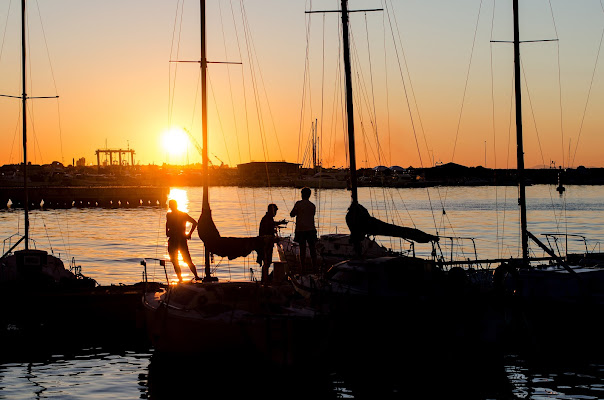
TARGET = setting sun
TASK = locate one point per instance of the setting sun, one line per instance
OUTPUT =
(175, 141)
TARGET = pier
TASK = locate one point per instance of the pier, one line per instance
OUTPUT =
(81, 196)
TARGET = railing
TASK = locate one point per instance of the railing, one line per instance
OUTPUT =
(557, 237)
(456, 254)
(162, 262)
(7, 243)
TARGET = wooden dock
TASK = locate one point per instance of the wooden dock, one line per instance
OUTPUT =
(85, 196)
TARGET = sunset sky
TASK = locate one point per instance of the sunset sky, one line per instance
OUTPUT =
(429, 84)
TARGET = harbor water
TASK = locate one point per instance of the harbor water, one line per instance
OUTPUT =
(110, 243)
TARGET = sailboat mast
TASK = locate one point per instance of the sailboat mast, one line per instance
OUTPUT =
(204, 106)
(314, 145)
(349, 106)
(519, 141)
(24, 114)
(205, 207)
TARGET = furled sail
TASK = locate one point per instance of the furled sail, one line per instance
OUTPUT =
(231, 247)
(361, 224)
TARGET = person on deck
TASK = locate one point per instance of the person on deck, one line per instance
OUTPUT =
(176, 231)
(305, 232)
(268, 227)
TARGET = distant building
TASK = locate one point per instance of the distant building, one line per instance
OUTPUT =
(267, 173)
(81, 162)
(270, 167)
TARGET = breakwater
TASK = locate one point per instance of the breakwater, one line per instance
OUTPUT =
(81, 196)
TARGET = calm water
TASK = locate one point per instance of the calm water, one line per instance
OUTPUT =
(110, 243)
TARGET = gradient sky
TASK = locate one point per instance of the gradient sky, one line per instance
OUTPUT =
(443, 94)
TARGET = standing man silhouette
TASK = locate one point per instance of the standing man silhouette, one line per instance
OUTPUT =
(268, 227)
(304, 211)
(176, 231)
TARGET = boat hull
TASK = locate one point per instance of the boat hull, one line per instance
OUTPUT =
(243, 319)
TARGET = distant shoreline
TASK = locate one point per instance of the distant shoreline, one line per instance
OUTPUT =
(280, 174)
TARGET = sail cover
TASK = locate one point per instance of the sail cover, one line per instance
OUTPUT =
(361, 224)
(231, 247)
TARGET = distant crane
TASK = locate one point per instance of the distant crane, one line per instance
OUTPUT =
(197, 146)
(221, 162)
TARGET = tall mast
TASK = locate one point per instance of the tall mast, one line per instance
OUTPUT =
(314, 145)
(349, 106)
(204, 107)
(205, 207)
(24, 133)
(519, 141)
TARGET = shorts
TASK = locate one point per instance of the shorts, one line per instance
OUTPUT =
(176, 244)
(306, 236)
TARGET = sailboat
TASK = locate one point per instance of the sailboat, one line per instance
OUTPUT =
(45, 302)
(33, 267)
(355, 251)
(398, 307)
(241, 318)
(565, 291)
(335, 248)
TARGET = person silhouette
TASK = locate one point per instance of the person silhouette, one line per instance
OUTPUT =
(268, 227)
(305, 232)
(176, 231)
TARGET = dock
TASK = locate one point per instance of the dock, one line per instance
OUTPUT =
(84, 196)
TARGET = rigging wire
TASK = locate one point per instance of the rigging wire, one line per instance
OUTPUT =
(390, 13)
(534, 119)
(5, 29)
(16, 134)
(245, 108)
(15, 140)
(588, 93)
(466, 82)
(493, 126)
(386, 85)
(443, 202)
(262, 133)
(53, 80)
(305, 83)
(559, 82)
(37, 145)
(254, 57)
(257, 84)
(322, 85)
(372, 92)
(172, 82)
